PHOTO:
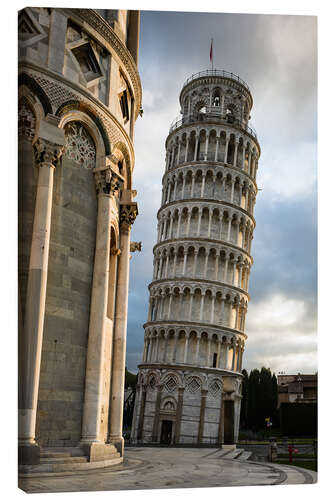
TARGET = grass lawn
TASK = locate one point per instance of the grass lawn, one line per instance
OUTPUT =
(305, 464)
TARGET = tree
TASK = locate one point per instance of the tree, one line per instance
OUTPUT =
(260, 399)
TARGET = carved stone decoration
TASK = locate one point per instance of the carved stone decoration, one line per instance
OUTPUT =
(26, 121)
(136, 246)
(128, 213)
(170, 384)
(193, 384)
(79, 145)
(215, 388)
(47, 152)
(107, 181)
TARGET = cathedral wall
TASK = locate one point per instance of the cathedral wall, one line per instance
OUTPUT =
(71, 259)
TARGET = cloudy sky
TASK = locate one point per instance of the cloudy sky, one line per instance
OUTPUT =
(276, 56)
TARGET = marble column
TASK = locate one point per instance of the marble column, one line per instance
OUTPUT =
(235, 154)
(186, 348)
(48, 148)
(186, 150)
(217, 149)
(202, 414)
(185, 262)
(179, 414)
(157, 413)
(203, 186)
(217, 258)
(226, 151)
(229, 227)
(197, 349)
(108, 182)
(206, 147)
(142, 412)
(128, 213)
(212, 312)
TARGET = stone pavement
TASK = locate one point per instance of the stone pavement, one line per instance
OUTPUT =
(151, 468)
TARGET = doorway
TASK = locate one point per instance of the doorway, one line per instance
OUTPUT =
(166, 432)
(229, 411)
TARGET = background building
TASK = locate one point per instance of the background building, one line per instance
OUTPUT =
(190, 376)
(79, 97)
(297, 388)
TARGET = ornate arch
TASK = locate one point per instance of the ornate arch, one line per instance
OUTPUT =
(28, 81)
(67, 108)
(121, 152)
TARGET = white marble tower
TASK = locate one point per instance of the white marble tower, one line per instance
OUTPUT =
(190, 376)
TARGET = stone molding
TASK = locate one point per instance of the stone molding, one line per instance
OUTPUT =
(192, 325)
(188, 241)
(183, 371)
(194, 284)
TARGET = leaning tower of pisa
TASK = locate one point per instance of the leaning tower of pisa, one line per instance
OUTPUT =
(189, 380)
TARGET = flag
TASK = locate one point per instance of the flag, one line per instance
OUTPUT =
(211, 51)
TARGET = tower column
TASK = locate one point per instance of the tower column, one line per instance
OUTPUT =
(235, 154)
(226, 150)
(197, 347)
(175, 347)
(107, 183)
(203, 185)
(217, 148)
(128, 213)
(186, 150)
(48, 149)
(191, 306)
(186, 348)
(183, 186)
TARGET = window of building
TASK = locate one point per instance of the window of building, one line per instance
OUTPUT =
(214, 359)
(124, 105)
(87, 60)
(125, 97)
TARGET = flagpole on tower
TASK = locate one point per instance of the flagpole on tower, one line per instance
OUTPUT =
(211, 55)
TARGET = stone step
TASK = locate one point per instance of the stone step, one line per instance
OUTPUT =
(234, 454)
(246, 455)
(61, 452)
(63, 460)
(68, 467)
(56, 454)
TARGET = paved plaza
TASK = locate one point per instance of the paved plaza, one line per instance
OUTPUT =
(152, 468)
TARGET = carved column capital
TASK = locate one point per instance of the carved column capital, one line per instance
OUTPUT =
(47, 152)
(108, 181)
(128, 213)
(136, 246)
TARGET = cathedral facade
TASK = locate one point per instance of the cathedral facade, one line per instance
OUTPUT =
(189, 381)
(79, 98)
